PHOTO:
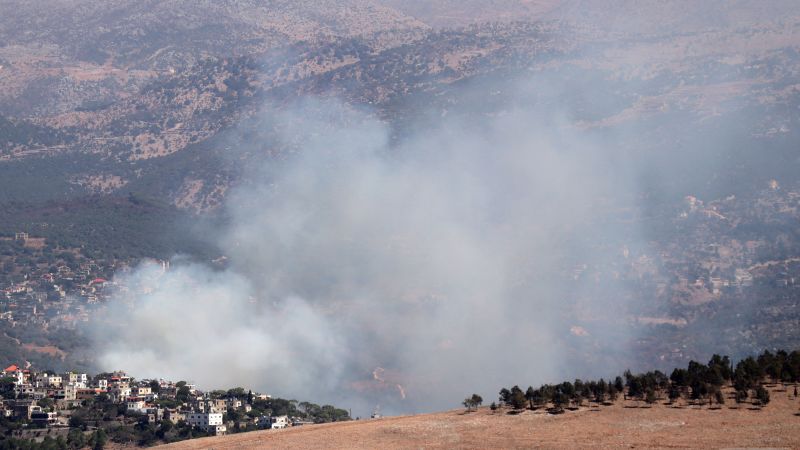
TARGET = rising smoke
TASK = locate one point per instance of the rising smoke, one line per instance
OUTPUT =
(479, 251)
(405, 275)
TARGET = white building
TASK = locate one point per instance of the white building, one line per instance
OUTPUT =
(278, 422)
(120, 393)
(137, 405)
(53, 380)
(79, 380)
(68, 392)
(210, 421)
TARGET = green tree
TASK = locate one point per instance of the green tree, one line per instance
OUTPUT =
(7, 387)
(618, 384)
(477, 400)
(741, 395)
(530, 394)
(762, 395)
(78, 419)
(560, 399)
(517, 400)
(155, 386)
(719, 397)
(613, 392)
(635, 386)
(183, 394)
(650, 396)
(99, 439)
(674, 393)
(473, 401)
(237, 392)
(76, 439)
(679, 377)
(505, 396)
(46, 403)
(467, 403)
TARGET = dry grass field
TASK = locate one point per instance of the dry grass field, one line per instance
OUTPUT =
(620, 425)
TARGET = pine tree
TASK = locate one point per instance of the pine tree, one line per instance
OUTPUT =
(762, 395)
(530, 394)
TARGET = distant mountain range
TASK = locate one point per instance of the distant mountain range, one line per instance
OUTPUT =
(118, 85)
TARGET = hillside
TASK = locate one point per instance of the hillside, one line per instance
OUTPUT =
(139, 129)
(136, 89)
(620, 425)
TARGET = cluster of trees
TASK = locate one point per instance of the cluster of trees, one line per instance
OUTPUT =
(699, 382)
(563, 395)
(104, 227)
(25, 133)
(280, 407)
(473, 401)
(292, 408)
(73, 342)
(75, 440)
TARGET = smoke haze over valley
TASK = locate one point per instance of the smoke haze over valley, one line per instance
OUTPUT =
(396, 203)
(435, 260)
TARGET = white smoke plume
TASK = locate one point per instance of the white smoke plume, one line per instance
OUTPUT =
(444, 261)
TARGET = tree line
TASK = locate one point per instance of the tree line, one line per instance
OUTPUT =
(698, 382)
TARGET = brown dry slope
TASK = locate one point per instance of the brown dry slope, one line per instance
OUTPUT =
(775, 426)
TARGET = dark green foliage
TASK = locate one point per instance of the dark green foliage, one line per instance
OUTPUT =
(25, 133)
(530, 395)
(306, 410)
(517, 399)
(703, 382)
(618, 384)
(720, 367)
(7, 387)
(76, 439)
(98, 440)
(699, 389)
(505, 396)
(741, 396)
(183, 392)
(719, 397)
(106, 227)
(674, 393)
(679, 377)
(155, 387)
(650, 396)
(473, 401)
(748, 374)
(762, 395)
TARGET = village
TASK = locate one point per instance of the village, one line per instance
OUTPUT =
(57, 291)
(710, 261)
(41, 404)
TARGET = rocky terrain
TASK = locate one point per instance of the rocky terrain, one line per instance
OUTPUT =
(132, 83)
